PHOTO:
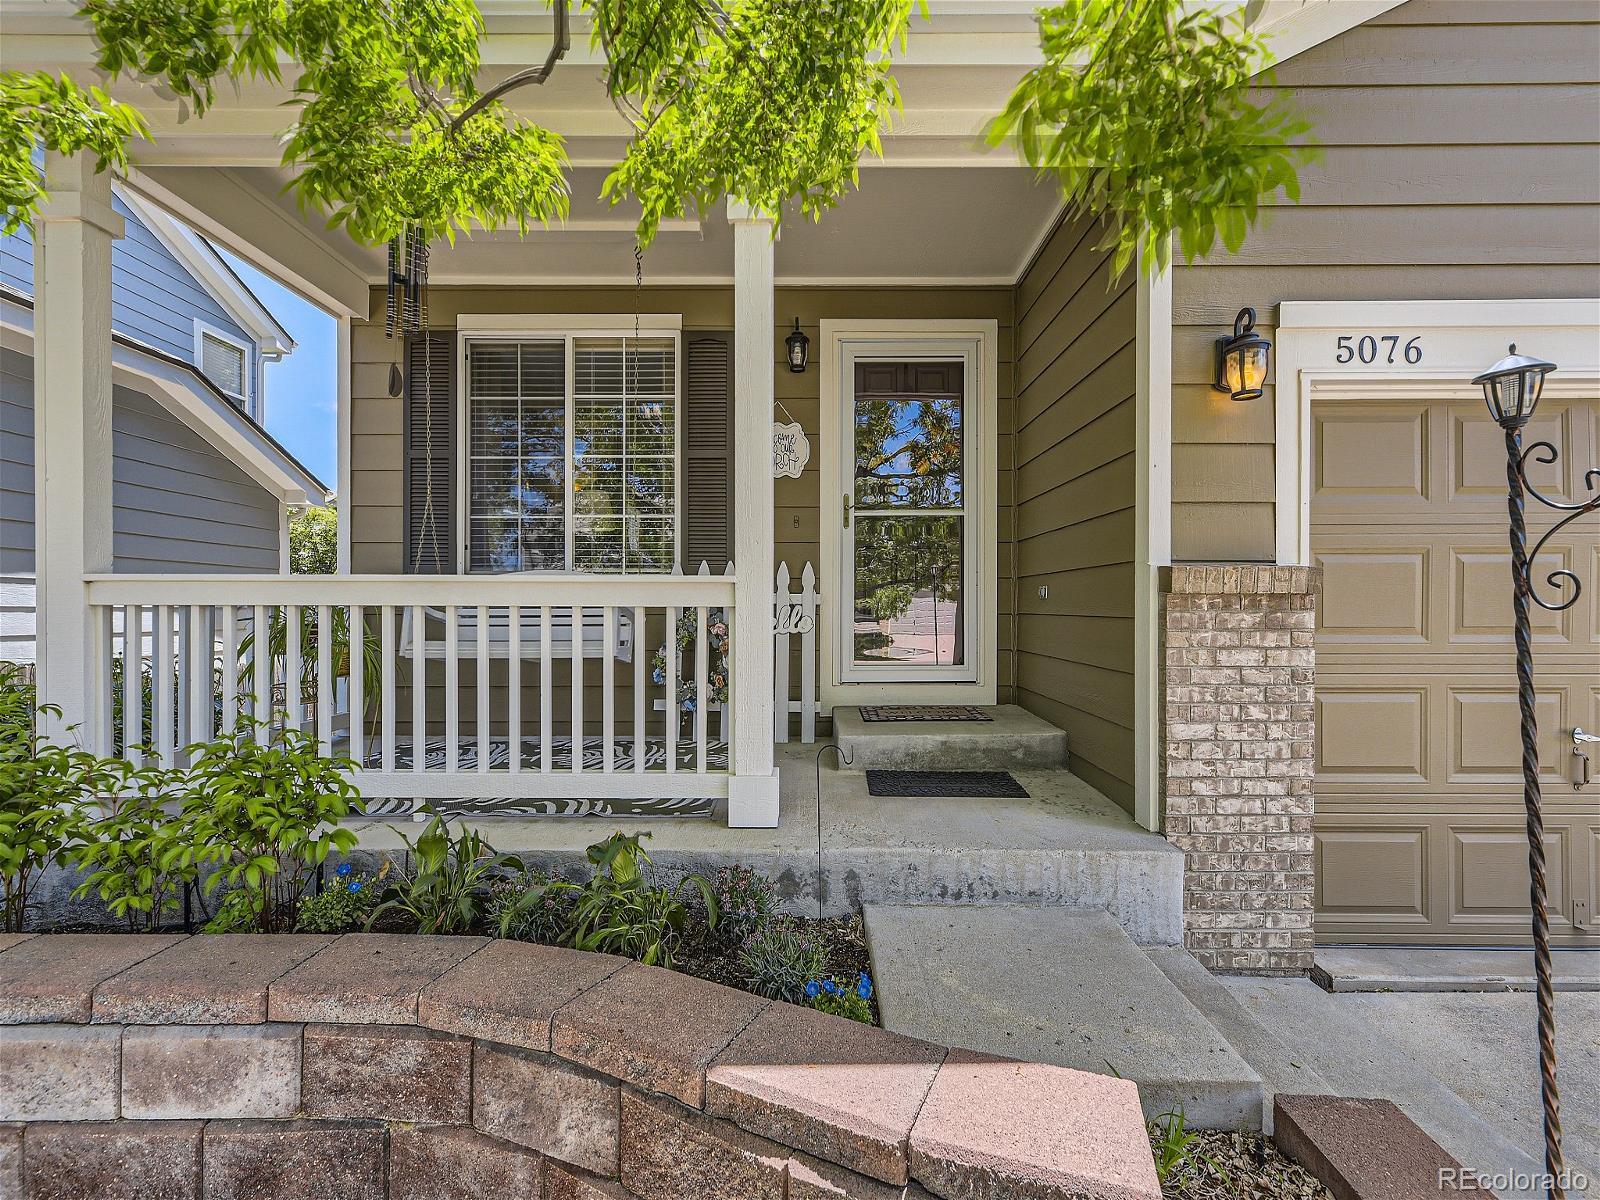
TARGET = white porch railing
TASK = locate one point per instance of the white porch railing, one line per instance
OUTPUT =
(465, 688)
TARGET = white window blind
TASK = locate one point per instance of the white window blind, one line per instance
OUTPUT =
(222, 363)
(572, 449)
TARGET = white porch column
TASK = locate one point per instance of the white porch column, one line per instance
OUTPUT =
(753, 790)
(72, 434)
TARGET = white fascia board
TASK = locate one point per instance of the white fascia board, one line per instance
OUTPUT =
(183, 392)
(1292, 27)
(203, 262)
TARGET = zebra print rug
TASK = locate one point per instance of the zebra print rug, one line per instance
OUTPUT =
(655, 759)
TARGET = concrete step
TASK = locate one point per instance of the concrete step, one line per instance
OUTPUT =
(1013, 739)
(1057, 985)
(1457, 969)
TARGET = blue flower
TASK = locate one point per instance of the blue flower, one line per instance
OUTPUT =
(864, 988)
(343, 869)
(830, 987)
(812, 989)
(353, 886)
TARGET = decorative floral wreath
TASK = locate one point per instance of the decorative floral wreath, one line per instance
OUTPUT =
(716, 658)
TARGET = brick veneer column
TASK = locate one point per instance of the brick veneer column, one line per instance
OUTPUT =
(1238, 731)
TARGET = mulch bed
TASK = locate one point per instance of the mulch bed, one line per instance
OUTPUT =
(845, 937)
(1240, 1166)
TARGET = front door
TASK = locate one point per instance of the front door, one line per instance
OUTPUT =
(910, 520)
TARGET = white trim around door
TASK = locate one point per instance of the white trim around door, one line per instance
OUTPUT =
(1427, 347)
(976, 343)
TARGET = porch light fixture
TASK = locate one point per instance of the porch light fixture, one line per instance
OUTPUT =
(1511, 388)
(798, 346)
(1242, 359)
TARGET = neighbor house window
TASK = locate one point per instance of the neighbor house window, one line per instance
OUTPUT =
(572, 453)
(224, 361)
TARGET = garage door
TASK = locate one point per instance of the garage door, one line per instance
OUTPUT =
(1419, 815)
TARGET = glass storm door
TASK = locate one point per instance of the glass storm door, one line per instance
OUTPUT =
(909, 521)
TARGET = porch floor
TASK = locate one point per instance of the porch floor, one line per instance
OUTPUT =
(837, 848)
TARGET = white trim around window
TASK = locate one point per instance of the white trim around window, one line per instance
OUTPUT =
(842, 341)
(1416, 347)
(478, 329)
(204, 330)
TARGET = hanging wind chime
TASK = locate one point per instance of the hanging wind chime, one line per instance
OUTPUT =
(406, 315)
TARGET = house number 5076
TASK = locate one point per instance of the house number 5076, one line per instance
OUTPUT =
(1384, 347)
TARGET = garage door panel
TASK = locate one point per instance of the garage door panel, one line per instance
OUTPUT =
(1481, 597)
(1484, 736)
(1478, 455)
(1373, 735)
(1489, 876)
(1371, 597)
(1419, 820)
(1372, 454)
(1375, 870)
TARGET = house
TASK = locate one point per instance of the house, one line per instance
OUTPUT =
(198, 483)
(1274, 629)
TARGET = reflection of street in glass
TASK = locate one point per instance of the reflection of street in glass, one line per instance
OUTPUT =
(926, 633)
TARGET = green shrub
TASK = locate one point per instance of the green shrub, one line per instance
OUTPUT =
(444, 889)
(344, 903)
(132, 857)
(46, 791)
(544, 920)
(265, 816)
(746, 901)
(779, 960)
(841, 999)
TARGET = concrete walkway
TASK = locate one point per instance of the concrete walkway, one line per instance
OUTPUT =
(1464, 1066)
(1065, 844)
(1057, 985)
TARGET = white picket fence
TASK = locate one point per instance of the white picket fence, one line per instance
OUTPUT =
(795, 616)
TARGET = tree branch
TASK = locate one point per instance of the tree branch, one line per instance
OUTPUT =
(559, 46)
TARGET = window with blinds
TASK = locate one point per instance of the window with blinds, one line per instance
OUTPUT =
(572, 454)
(223, 363)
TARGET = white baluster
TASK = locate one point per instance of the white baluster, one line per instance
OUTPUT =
(671, 686)
(387, 702)
(261, 678)
(132, 682)
(419, 688)
(780, 662)
(452, 689)
(201, 658)
(640, 653)
(702, 660)
(808, 656)
(483, 687)
(358, 685)
(230, 670)
(181, 712)
(547, 748)
(324, 680)
(608, 688)
(293, 694)
(514, 688)
(575, 627)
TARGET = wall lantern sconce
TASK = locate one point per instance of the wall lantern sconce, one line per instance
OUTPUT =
(1242, 359)
(799, 347)
(1511, 388)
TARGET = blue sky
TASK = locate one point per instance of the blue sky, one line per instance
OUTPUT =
(302, 400)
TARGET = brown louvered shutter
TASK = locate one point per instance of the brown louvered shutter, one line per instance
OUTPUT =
(430, 434)
(708, 451)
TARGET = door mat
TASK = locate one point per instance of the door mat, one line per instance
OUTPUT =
(994, 784)
(922, 712)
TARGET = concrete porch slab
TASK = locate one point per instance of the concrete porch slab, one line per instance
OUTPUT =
(1061, 986)
(1409, 969)
(1013, 739)
(1065, 844)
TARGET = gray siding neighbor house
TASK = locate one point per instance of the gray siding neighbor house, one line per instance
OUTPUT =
(198, 485)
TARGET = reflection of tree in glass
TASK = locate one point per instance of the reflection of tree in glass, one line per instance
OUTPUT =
(899, 558)
(908, 452)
